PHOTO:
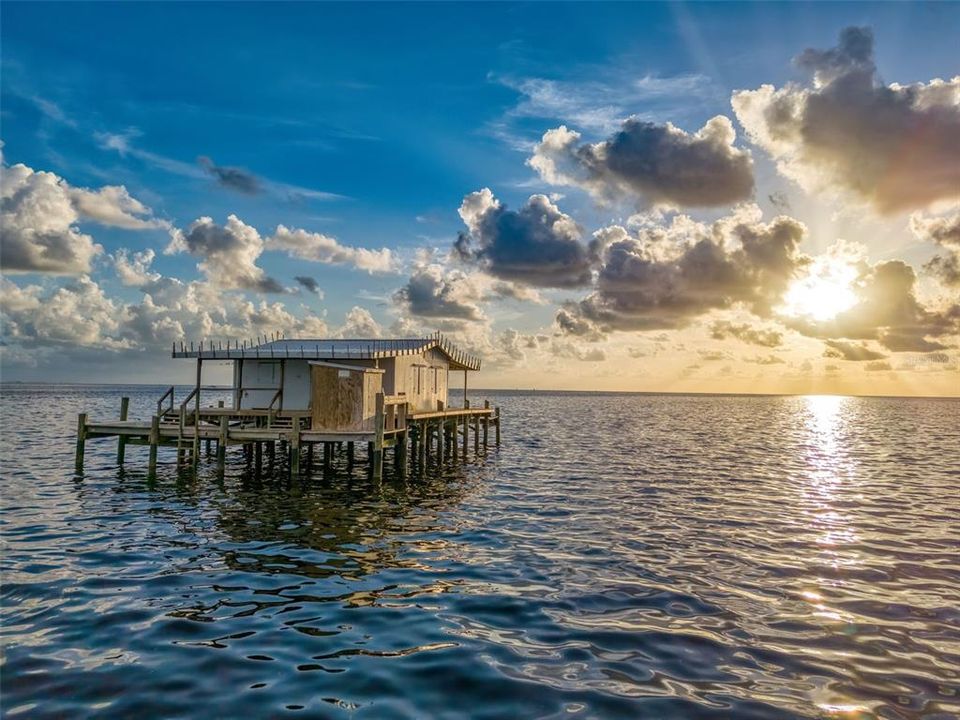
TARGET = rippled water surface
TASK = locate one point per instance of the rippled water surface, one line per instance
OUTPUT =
(618, 556)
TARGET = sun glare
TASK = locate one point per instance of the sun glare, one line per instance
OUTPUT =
(825, 292)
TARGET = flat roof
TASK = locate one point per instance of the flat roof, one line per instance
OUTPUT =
(329, 349)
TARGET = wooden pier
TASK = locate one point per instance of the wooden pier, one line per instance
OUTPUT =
(415, 438)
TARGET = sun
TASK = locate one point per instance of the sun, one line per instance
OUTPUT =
(823, 293)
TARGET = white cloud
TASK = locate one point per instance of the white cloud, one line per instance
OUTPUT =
(320, 248)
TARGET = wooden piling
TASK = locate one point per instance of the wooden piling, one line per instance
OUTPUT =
(476, 436)
(327, 456)
(294, 445)
(258, 458)
(486, 424)
(122, 439)
(81, 440)
(154, 441)
(401, 451)
(466, 426)
(350, 448)
(378, 420)
(222, 444)
(310, 457)
(497, 427)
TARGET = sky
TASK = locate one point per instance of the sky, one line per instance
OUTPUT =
(654, 197)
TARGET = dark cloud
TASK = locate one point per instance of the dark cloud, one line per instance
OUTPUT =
(856, 352)
(765, 360)
(943, 231)
(877, 366)
(308, 283)
(892, 145)
(431, 292)
(721, 330)
(229, 253)
(536, 245)
(666, 277)
(655, 164)
(232, 178)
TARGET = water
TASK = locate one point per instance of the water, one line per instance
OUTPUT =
(619, 556)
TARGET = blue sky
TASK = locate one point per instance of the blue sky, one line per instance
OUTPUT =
(370, 123)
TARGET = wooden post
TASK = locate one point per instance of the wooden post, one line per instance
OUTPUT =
(476, 435)
(466, 403)
(222, 443)
(196, 419)
(466, 421)
(401, 451)
(441, 441)
(350, 447)
(154, 441)
(327, 456)
(81, 440)
(378, 420)
(486, 424)
(271, 452)
(310, 457)
(452, 428)
(238, 394)
(422, 441)
(497, 415)
(122, 439)
(258, 458)
(294, 454)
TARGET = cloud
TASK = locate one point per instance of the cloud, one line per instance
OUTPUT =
(308, 283)
(133, 269)
(232, 178)
(765, 360)
(602, 104)
(895, 146)
(886, 310)
(943, 231)
(434, 293)
(229, 253)
(722, 329)
(665, 277)
(536, 245)
(359, 323)
(320, 248)
(856, 352)
(877, 366)
(659, 165)
(39, 213)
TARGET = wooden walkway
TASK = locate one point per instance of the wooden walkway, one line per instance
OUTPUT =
(415, 438)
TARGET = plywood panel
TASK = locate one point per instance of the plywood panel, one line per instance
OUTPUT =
(343, 399)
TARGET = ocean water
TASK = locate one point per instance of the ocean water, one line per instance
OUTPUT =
(619, 556)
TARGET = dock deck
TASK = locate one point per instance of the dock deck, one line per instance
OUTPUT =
(414, 437)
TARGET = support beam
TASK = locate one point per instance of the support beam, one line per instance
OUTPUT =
(81, 440)
(196, 418)
(378, 420)
(222, 444)
(295, 454)
(121, 439)
(154, 441)
(486, 424)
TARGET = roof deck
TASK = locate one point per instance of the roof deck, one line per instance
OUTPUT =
(281, 348)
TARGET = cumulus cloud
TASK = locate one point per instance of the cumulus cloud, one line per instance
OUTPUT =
(722, 329)
(856, 352)
(232, 178)
(133, 269)
(536, 245)
(886, 310)
(308, 283)
(229, 253)
(320, 248)
(665, 277)
(654, 164)
(943, 231)
(894, 146)
(359, 323)
(39, 216)
(432, 292)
